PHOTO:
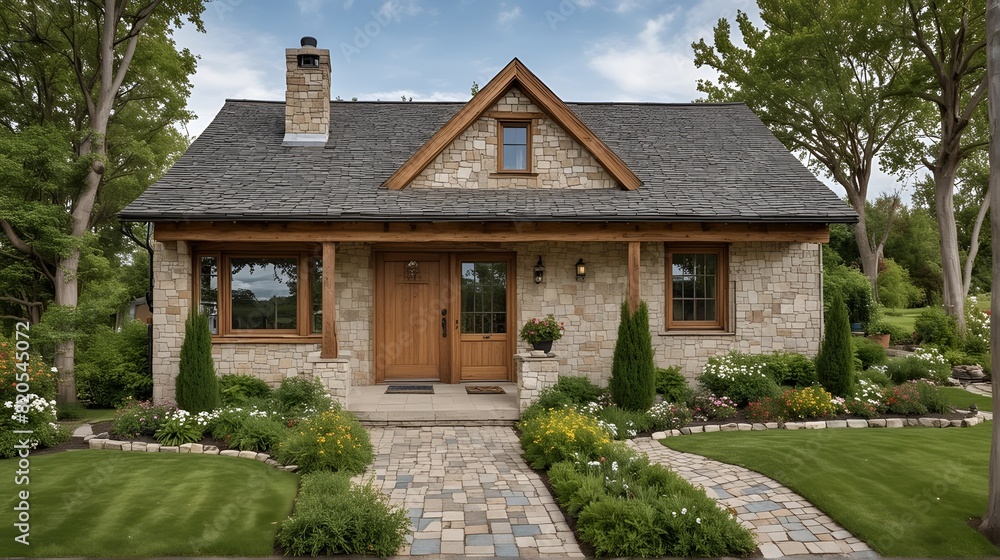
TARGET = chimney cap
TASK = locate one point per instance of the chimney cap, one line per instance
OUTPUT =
(308, 42)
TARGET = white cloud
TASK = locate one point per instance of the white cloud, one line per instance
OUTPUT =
(396, 9)
(395, 95)
(233, 65)
(508, 14)
(649, 68)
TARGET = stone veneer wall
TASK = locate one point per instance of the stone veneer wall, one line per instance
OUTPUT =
(471, 160)
(776, 303)
(172, 299)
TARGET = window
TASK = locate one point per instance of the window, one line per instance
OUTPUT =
(258, 294)
(515, 146)
(697, 294)
(484, 297)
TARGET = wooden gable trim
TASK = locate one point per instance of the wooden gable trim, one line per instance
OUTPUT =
(513, 74)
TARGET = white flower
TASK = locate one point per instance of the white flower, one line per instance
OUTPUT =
(698, 520)
(675, 513)
(55, 369)
(684, 511)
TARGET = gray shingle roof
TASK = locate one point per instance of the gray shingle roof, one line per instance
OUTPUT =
(698, 162)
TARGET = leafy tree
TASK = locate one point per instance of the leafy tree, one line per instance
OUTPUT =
(633, 374)
(835, 361)
(197, 386)
(913, 244)
(895, 288)
(824, 76)
(950, 78)
(89, 94)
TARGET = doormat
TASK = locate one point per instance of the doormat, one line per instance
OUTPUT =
(484, 390)
(409, 390)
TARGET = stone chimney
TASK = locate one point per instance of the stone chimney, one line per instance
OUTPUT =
(307, 95)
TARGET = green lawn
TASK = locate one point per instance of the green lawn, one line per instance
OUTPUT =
(960, 398)
(114, 503)
(906, 492)
(904, 318)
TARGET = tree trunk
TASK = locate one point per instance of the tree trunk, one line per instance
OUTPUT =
(66, 293)
(869, 256)
(991, 520)
(951, 269)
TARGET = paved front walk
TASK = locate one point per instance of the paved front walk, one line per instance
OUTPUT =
(468, 492)
(783, 522)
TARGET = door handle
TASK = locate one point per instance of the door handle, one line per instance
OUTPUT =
(444, 323)
(486, 336)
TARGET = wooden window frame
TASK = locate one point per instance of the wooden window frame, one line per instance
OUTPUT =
(303, 320)
(526, 124)
(721, 324)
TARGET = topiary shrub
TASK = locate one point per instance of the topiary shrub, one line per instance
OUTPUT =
(197, 386)
(672, 386)
(933, 326)
(835, 362)
(632, 383)
(869, 352)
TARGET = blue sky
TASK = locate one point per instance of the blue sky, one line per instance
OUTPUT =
(584, 50)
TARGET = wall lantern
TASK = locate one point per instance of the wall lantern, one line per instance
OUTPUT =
(581, 270)
(539, 270)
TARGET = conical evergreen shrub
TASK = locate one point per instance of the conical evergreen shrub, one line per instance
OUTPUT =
(197, 386)
(835, 361)
(633, 375)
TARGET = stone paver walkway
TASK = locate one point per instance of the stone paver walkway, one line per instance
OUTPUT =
(783, 522)
(468, 492)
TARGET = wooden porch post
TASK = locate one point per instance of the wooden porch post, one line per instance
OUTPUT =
(330, 348)
(633, 276)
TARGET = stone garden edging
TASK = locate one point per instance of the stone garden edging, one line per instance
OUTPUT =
(823, 424)
(96, 442)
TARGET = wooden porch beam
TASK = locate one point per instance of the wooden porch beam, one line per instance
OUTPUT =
(492, 232)
(633, 276)
(330, 348)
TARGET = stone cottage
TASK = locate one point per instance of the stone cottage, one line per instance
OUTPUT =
(374, 242)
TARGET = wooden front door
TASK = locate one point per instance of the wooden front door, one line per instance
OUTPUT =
(485, 341)
(412, 297)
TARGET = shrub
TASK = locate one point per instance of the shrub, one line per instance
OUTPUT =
(70, 411)
(933, 326)
(197, 386)
(854, 290)
(768, 409)
(333, 516)
(810, 402)
(668, 416)
(977, 324)
(931, 397)
(925, 363)
(904, 399)
(548, 399)
(33, 413)
(623, 424)
(248, 428)
(711, 407)
(237, 390)
(788, 368)
(874, 375)
(300, 396)
(332, 440)
(632, 383)
(869, 352)
(558, 435)
(835, 364)
(670, 383)
(739, 377)
(112, 366)
(579, 389)
(899, 335)
(180, 428)
(40, 379)
(135, 418)
(895, 289)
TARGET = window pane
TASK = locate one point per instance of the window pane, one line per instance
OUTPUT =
(695, 287)
(264, 293)
(484, 298)
(515, 157)
(317, 295)
(515, 136)
(209, 292)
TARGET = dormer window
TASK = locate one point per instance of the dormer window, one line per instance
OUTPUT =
(515, 147)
